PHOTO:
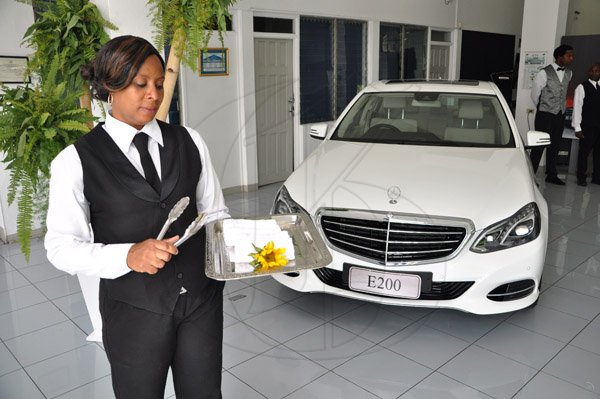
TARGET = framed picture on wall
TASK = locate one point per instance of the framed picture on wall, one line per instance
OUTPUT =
(214, 62)
(12, 70)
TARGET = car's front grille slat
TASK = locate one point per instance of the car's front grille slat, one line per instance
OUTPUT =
(390, 241)
(356, 236)
(424, 232)
(355, 226)
(432, 251)
(422, 242)
(359, 246)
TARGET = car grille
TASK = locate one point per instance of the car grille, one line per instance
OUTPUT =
(389, 241)
(439, 290)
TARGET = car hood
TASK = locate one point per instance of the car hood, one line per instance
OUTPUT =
(484, 185)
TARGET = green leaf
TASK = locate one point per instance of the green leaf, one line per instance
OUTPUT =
(28, 32)
(26, 123)
(60, 88)
(73, 126)
(71, 24)
(21, 145)
(44, 117)
(50, 133)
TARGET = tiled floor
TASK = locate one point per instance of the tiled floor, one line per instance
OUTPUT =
(282, 344)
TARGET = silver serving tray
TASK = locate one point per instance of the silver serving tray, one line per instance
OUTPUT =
(310, 250)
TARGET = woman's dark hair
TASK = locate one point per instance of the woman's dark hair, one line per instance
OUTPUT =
(116, 64)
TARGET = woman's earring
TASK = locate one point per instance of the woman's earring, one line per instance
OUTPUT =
(110, 98)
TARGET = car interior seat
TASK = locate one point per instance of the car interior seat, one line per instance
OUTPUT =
(470, 114)
(394, 108)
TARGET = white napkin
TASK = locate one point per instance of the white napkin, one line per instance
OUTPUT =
(240, 234)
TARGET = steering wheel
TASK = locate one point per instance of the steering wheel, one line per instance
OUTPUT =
(383, 129)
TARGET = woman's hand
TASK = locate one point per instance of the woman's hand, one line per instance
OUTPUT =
(149, 256)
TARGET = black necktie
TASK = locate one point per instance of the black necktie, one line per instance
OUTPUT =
(140, 140)
(560, 68)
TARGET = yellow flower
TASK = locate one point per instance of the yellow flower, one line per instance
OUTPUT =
(268, 257)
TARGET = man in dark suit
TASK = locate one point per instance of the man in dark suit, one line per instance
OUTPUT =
(586, 122)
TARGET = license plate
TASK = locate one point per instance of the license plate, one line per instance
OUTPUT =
(381, 283)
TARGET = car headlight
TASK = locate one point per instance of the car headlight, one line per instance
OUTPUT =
(519, 229)
(285, 204)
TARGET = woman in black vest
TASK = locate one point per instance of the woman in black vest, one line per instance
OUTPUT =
(110, 194)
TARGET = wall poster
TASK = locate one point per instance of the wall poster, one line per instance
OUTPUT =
(534, 61)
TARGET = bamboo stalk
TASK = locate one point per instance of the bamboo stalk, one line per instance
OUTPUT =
(85, 101)
(171, 73)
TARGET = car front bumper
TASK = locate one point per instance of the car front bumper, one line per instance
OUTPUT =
(485, 271)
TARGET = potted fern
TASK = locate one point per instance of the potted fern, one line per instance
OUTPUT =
(72, 29)
(37, 122)
(187, 25)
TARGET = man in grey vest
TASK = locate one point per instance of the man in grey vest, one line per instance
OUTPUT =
(549, 94)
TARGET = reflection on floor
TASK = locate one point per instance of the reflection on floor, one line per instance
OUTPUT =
(282, 344)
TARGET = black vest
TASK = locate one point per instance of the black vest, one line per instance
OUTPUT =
(590, 112)
(125, 209)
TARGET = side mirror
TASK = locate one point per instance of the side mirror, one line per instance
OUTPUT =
(319, 131)
(536, 139)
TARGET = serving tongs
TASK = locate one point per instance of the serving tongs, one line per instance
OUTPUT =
(196, 225)
(174, 213)
(192, 229)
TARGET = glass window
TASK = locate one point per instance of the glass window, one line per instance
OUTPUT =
(332, 66)
(440, 36)
(402, 51)
(427, 118)
(273, 25)
(349, 62)
(316, 70)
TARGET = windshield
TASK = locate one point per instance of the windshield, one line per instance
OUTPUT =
(427, 118)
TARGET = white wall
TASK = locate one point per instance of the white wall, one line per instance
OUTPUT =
(15, 18)
(131, 17)
(211, 107)
(505, 16)
(417, 12)
(583, 17)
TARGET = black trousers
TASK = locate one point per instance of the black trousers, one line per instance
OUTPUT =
(553, 125)
(142, 345)
(590, 142)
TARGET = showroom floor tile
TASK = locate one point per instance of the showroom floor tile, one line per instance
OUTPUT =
(279, 343)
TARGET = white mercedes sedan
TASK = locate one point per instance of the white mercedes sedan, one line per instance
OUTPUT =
(424, 194)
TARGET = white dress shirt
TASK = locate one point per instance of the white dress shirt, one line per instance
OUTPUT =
(69, 240)
(578, 105)
(540, 81)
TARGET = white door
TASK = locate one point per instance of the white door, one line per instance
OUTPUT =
(274, 109)
(439, 67)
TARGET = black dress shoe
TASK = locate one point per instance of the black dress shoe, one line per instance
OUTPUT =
(555, 180)
(581, 183)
